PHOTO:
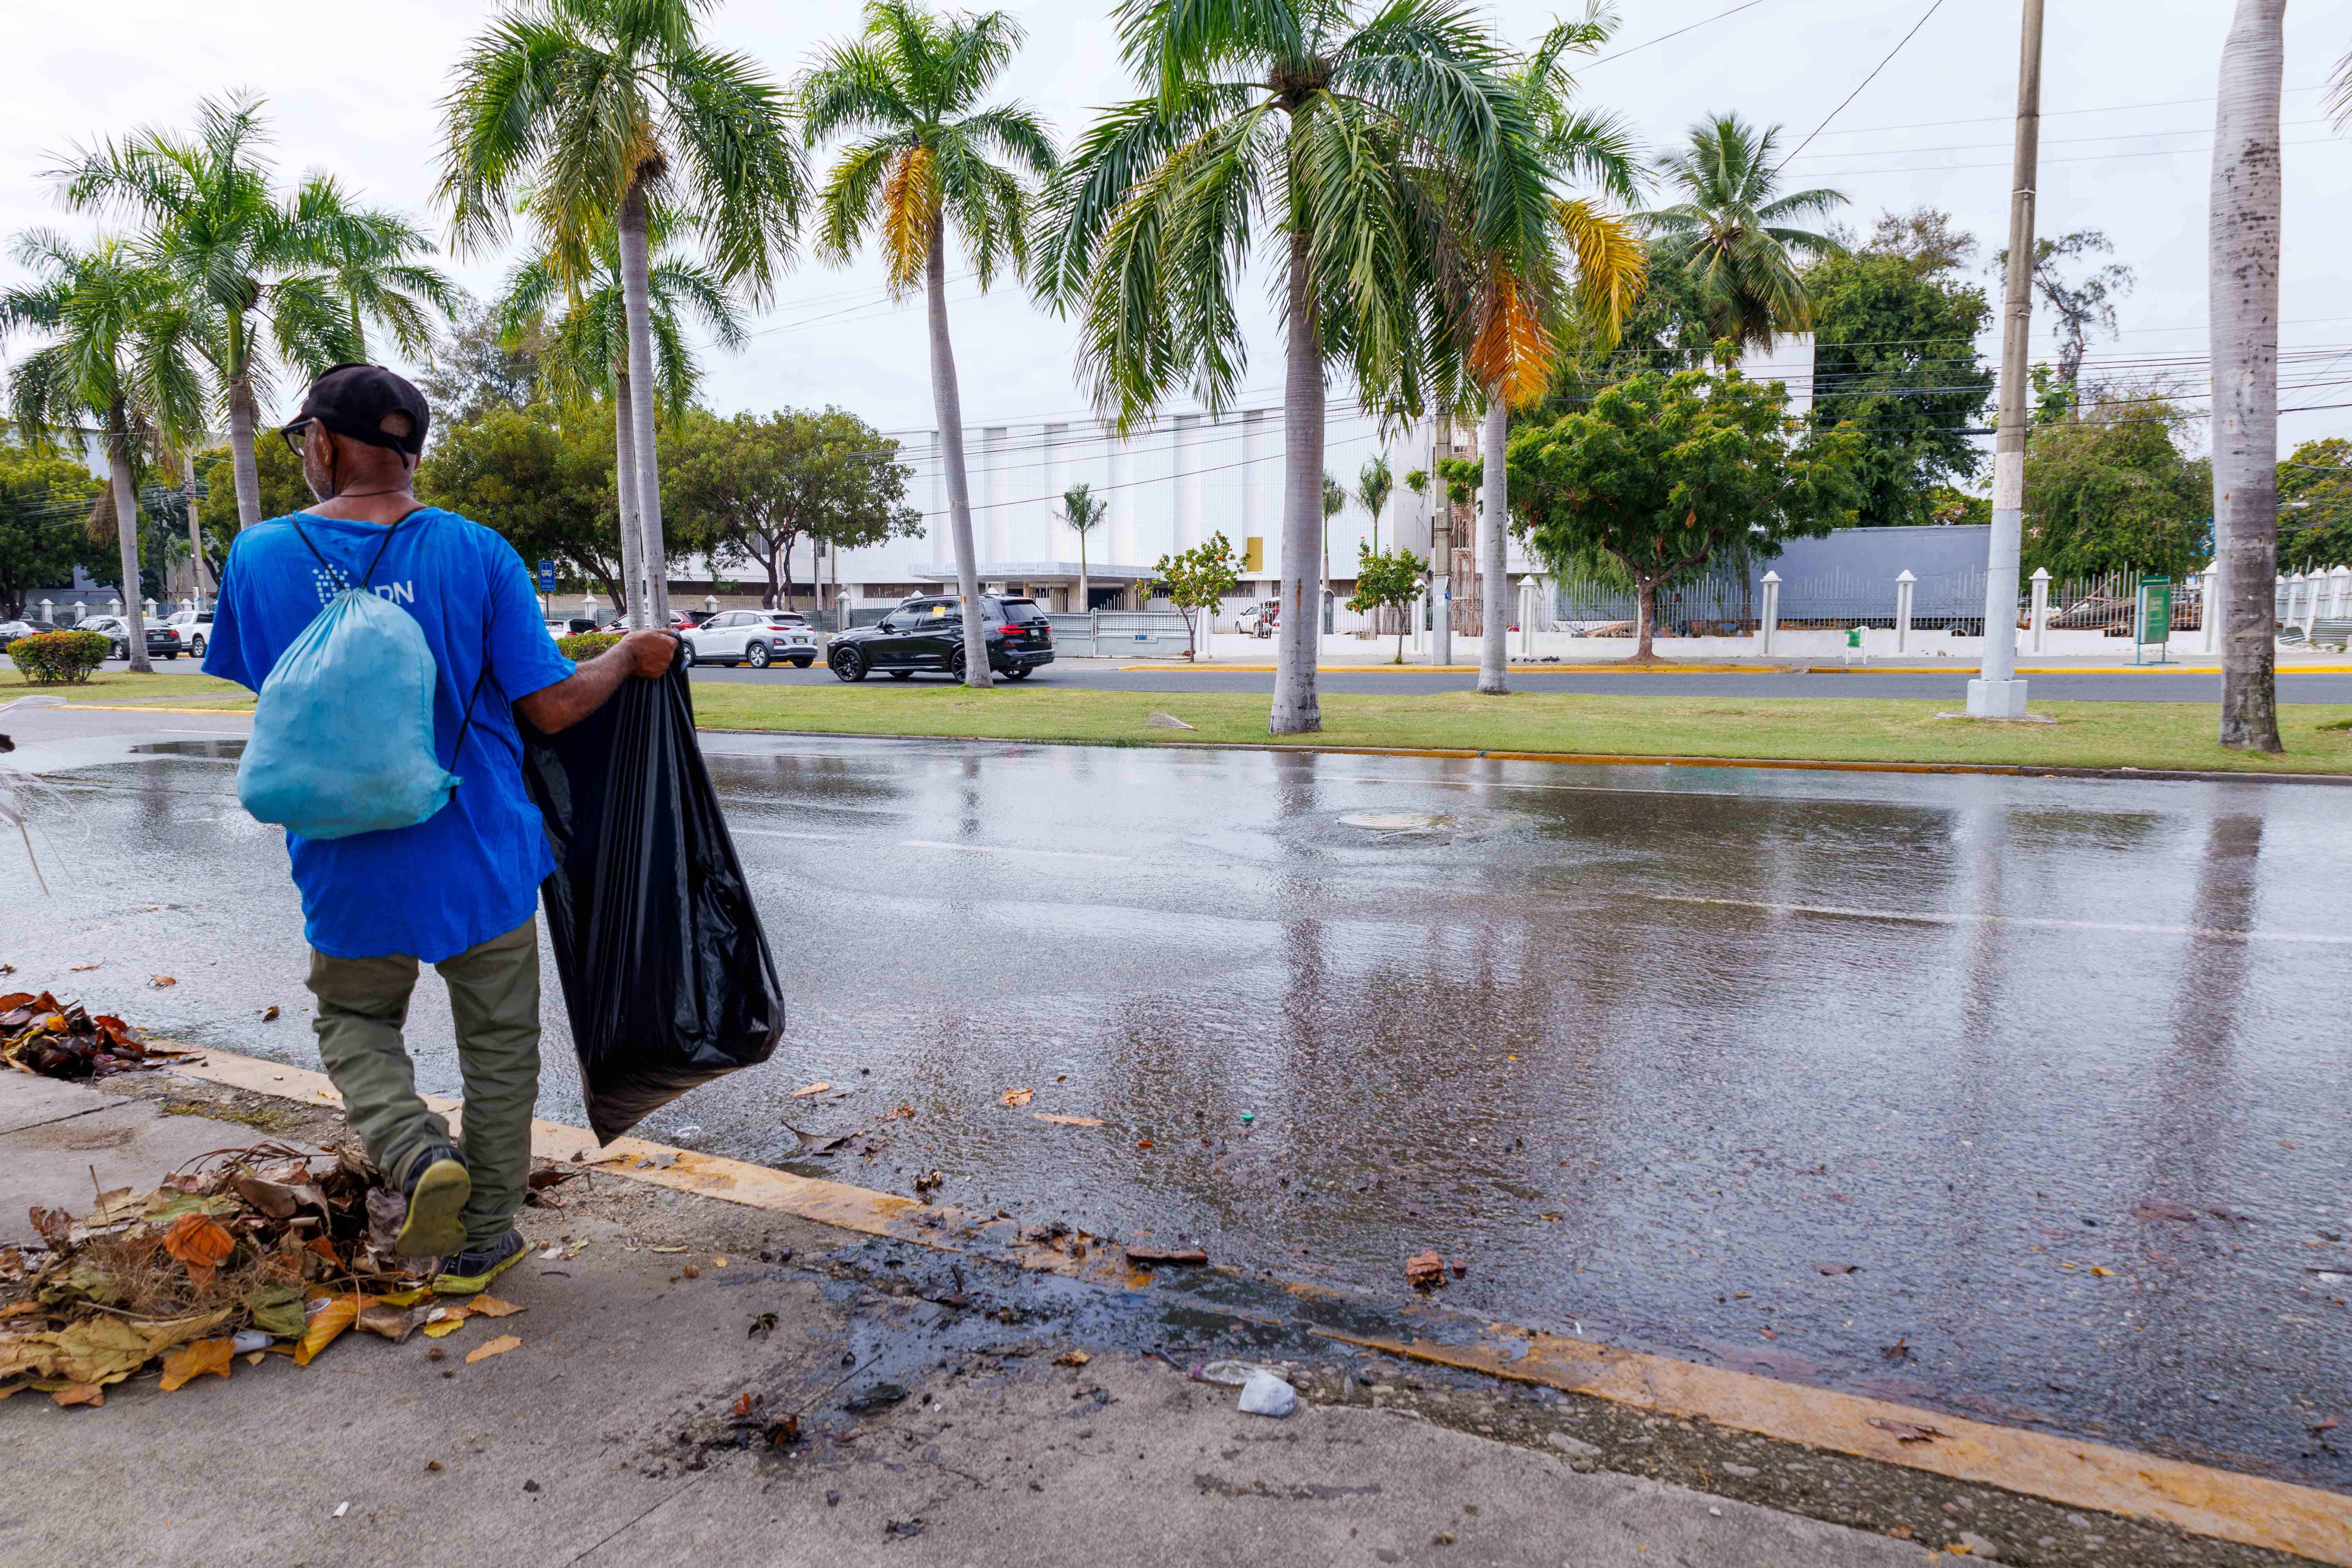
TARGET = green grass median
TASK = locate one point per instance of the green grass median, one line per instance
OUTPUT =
(120, 685)
(2167, 735)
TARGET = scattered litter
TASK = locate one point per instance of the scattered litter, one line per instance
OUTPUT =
(1908, 1431)
(1424, 1270)
(498, 1346)
(160, 981)
(1232, 1373)
(39, 1034)
(1178, 1257)
(1248, 1117)
(880, 1397)
(1266, 1394)
(903, 1527)
(1067, 1120)
(341, 1509)
(930, 1181)
(818, 1087)
(270, 1014)
(1168, 721)
(691, 1129)
(1835, 1267)
(1015, 1097)
(249, 1340)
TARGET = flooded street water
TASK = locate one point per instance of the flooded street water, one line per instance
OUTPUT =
(2027, 1098)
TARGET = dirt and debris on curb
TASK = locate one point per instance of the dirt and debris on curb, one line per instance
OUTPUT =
(49, 1039)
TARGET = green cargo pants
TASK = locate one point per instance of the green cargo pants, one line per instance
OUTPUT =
(494, 996)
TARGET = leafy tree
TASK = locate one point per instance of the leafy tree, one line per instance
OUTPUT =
(586, 348)
(123, 354)
(1198, 579)
(2113, 492)
(2315, 505)
(45, 505)
(2081, 305)
(753, 487)
(1894, 355)
(487, 361)
(1736, 233)
(539, 476)
(213, 223)
(1388, 580)
(1374, 485)
(1335, 502)
(1665, 471)
(278, 476)
(926, 152)
(1082, 509)
(1322, 129)
(601, 110)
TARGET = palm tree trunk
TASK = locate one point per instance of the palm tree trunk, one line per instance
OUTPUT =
(1296, 710)
(198, 566)
(636, 304)
(1494, 560)
(947, 399)
(2244, 289)
(625, 480)
(126, 537)
(1085, 599)
(244, 417)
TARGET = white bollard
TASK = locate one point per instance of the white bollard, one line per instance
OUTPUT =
(2209, 610)
(2041, 606)
(1902, 586)
(1772, 621)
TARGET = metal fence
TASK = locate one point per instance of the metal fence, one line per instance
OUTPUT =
(1135, 633)
(1731, 604)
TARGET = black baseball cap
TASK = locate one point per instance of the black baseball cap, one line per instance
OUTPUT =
(354, 400)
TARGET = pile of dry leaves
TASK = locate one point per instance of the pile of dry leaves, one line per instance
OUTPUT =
(62, 1039)
(242, 1252)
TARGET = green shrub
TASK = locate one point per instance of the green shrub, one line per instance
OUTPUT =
(47, 657)
(581, 647)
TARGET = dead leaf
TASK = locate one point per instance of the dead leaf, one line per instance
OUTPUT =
(548, 1176)
(84, 968)
(88, 1394)
(1181, 1257)
(491, 1307)
(743, 1405)
(1899, 1350)
(1908, 1431)
(328, 1322)
(2167, 1211)
(55, 1225)
(1015, 1097)
(2103, 1273)
(2328, 1423)
(498, 1346)
(196, 1240)
(1065, 1120)
(1836, 1267)
(692, 1271)
(1072, 1358)
(194, 1360)
(160, 981)
(395, 1323)
(670, 1249)
(819, 1087)
(270, 1014)
(1424, 1270)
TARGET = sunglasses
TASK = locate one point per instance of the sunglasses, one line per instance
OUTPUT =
(296, 436)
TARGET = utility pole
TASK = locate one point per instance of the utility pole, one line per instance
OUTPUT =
(1997, 692)
(195, 535)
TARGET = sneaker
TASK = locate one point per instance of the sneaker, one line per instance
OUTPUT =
(469, 1273)
(438, 1187)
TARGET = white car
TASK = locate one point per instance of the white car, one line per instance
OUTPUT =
(756, 637)
(196, 629)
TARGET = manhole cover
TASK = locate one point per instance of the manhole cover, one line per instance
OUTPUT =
(1396, 821)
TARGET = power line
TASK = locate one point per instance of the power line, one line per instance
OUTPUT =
(1934, 7)
(2048, 113)
(2086, 158)
(1662, 37)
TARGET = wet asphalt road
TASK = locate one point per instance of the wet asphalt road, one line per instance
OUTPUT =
(2086, 686)
(2058, 1066)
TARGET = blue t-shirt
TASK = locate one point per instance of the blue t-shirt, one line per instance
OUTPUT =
(470, 871)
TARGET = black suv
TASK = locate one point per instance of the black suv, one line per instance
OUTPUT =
(928, 633)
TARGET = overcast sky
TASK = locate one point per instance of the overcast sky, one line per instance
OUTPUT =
(2128, 100)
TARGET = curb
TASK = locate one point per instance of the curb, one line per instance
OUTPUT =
(1668, 667)
(2223, 1504)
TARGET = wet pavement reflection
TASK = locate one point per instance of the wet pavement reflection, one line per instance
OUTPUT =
(2024, 1098)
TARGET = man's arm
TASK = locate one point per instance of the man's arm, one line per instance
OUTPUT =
(645, 653)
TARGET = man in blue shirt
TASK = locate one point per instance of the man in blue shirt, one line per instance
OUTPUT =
(460, 889)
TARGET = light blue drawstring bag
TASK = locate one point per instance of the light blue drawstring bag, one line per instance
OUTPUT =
(342, 729)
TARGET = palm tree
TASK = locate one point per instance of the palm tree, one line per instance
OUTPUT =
(1332, 129)
(1082, 509)
(1517, 308)
(600, 110)
(365, 256)
(124, 354)
(212, 222)
(1374, 485)
(908, 89)
(1733, 229)
(586, 357)
(2244, 289)
(1335, 502)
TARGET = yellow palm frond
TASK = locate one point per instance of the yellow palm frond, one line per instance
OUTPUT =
(911, 208)
(1512, 351)
(1611, 268)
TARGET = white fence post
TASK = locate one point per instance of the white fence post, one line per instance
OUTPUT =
(2040, 605)
(1902, 587)
(48, 613)
(588, 606)
(2311, 581)
(1527, 616)
(1771, 622)
(2340, 581)
(114, 606)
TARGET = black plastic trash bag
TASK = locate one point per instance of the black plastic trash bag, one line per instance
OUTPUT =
(667, 979)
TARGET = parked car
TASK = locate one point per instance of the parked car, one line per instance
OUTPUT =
(928, 633)
(11, 630)
(196, 629)
(1260, 619)
(163, 641)
(756, 637)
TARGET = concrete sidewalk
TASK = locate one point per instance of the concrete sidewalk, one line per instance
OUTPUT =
(609, 1436)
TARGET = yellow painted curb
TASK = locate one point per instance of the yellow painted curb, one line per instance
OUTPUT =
(1670, 667)
(142, 707)
(2250, 1509)
(2222, 1504)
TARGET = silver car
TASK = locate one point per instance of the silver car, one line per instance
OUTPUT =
(756, 637)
